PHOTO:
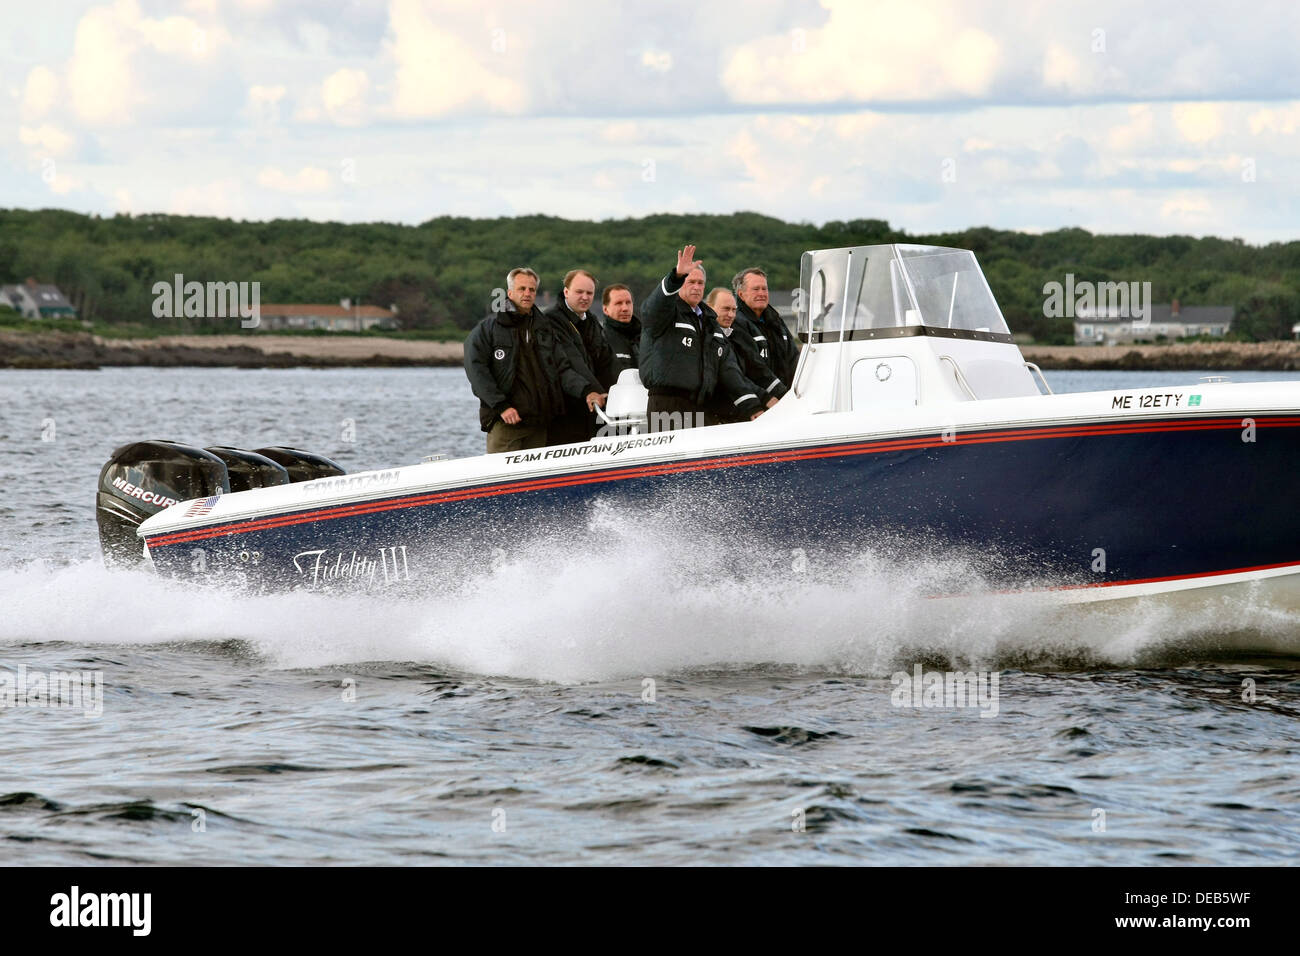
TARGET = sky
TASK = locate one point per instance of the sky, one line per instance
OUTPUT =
(1119, 117)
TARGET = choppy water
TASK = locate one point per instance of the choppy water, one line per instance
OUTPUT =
(509, 718)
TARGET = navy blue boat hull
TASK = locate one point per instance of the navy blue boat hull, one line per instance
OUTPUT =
(1093, 504)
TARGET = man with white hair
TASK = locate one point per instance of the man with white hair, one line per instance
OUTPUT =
(685, 362)
(779, 348)
(519, 371)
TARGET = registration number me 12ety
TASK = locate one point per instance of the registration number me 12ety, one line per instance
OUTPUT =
(1147, 401)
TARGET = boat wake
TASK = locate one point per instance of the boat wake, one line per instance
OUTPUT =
(634, 595)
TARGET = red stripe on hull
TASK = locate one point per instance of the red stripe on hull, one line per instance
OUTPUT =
(877, 446)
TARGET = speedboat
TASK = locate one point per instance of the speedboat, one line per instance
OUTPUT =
(913, 423)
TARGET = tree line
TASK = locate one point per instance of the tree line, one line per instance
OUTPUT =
(441, 273)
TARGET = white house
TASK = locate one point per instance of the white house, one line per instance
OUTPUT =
(1172, 321)
(344, 317)
(35, 300)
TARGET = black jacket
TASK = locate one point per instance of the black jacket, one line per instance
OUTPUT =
(770, 333)
(753, 359)
(721, 406)
(491, 353)
(586, 345)
(624, 340)
(687, 355)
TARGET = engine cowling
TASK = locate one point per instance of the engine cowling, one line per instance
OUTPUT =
(302, 465)
(248, 469)
(140, 480)
(144, 477)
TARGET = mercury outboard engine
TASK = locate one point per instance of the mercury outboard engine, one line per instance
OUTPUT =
(144, 477)
(302, 465)
(140, 480)
(248, 469)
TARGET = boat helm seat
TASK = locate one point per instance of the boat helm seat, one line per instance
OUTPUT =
(627, 401)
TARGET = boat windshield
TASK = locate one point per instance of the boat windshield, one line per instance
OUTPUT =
(891, 286)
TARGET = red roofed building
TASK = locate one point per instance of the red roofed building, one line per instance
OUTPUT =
(344, 317)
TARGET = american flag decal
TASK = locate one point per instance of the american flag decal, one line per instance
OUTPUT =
(200, 508)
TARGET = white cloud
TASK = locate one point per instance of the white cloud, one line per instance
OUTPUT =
(1137, 132)
(438, 72)
(179, 36)
(903, 52)
(265, 94)
(39, 93)
(1186, 208)
(856, 125)
(221, 197)
(264, 103)
(61, 184)
(1198, 122)
(1062, 69)
(661, 61)
(624, 132)
(101, 75)
(309, 179)
(344, 96)
(1044, 130)
(1281, 119)
(745, 148)
(49, 140)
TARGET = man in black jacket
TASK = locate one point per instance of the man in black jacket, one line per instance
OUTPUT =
(767, 326)
(622, 328)
(579, 334)
(750, 355)
(519, 372)
(684, 358)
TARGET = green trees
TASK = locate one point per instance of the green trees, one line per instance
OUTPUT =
(443, 271)
(1269, 312)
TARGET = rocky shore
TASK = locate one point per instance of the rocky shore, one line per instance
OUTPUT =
(1209, 356)
(83, 350)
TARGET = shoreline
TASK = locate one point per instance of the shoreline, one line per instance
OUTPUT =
(1280, 356)
(81, 350)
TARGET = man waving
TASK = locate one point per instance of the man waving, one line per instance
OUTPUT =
(684, 358)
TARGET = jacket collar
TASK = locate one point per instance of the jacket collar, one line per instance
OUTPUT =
(630, 327)
(510, 314)
(571, 315)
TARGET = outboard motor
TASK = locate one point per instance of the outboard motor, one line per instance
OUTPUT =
(248, 469)
(140, 480)
(302, 465)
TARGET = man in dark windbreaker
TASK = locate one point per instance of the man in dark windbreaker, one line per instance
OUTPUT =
(684, 358)
(519, 371)
(622, 328)
(579, 334)
(766, 325)
(750, 356)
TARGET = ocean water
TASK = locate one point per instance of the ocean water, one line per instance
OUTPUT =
(591, 704)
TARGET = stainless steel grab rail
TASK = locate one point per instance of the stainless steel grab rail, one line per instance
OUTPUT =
(1039, 372)
(961, 379)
